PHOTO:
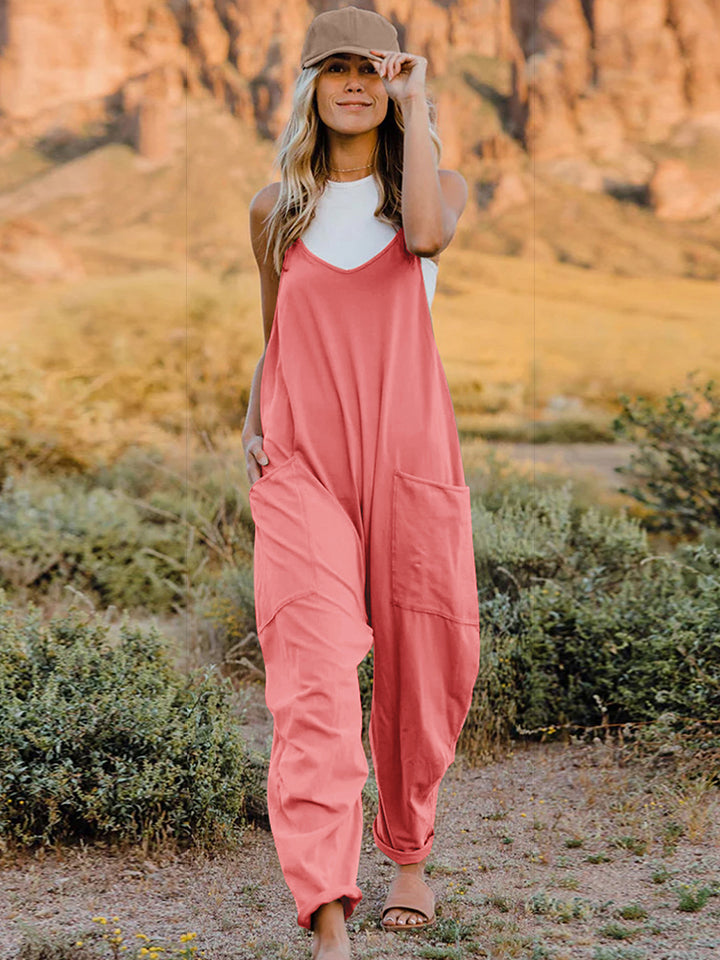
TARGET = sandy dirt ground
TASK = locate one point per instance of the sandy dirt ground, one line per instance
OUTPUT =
(535, 855)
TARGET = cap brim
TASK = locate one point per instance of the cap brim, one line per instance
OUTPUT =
(363, 51)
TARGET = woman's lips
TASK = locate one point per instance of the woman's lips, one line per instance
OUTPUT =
(354, 106)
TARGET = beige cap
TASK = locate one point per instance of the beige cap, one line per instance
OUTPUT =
(347, 30)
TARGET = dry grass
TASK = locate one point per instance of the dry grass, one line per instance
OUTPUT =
(163, 334)
(92, 367)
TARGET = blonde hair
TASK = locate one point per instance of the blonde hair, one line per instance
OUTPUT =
(303, 157)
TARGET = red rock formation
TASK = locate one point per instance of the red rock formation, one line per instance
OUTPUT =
(679, 193)
(152, 134)
(33, 252)
(591, 79)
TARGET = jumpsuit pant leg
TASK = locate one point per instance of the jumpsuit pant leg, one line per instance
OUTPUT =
(425, 619)
(313, 631)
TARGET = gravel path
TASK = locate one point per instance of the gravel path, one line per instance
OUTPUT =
(510, 860)
(598, 459)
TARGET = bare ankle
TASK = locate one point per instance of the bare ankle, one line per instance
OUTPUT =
(328, 921)
(330, 936)
(413, 867)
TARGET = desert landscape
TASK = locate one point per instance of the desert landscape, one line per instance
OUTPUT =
(579, 818)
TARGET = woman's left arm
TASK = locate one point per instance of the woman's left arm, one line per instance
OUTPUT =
(432, 199)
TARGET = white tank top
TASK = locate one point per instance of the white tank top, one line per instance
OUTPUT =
(345, 232)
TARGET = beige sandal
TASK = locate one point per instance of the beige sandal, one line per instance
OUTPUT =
(409, 892)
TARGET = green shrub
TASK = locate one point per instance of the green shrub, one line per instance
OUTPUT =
(136, 534)
(59, 532)
(203, 496)
(38, 944)
(226, 611)
(582, 624)
(532, 536)
(615, 931)
(103, 740)
(693, 898)
(677, 468)
(576, 653)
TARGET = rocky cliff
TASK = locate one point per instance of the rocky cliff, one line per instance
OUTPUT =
(587, 83)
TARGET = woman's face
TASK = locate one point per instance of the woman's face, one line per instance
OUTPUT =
(349, 77)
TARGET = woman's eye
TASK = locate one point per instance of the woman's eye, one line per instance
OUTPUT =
(341, 66)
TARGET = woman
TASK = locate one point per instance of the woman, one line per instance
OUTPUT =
(362, 516)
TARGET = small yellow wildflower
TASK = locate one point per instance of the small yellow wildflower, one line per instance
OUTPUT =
(99, 920)
(187, 936)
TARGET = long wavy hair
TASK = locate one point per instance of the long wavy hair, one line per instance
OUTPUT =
(304, 161)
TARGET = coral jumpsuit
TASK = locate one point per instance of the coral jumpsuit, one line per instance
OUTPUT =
(362, 536)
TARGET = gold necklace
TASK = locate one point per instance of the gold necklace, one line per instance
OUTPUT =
(348, 169)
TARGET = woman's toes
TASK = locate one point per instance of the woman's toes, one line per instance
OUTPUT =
(403, 917)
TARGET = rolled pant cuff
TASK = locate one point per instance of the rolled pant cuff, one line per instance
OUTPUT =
(349, 901)
(403, 856)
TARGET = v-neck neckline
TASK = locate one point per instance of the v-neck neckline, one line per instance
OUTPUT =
(360, 266)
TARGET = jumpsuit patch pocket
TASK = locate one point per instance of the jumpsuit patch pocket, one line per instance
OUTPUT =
(283, 569)
(433, 560)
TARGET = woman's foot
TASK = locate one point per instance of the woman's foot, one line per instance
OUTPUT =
(330, 937)
(409, 917)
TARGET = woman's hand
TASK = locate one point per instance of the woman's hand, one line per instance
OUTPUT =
(402, 73)
(254, 457)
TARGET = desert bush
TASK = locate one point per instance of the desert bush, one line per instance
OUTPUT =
(676, 471)
(56, 532)
(107, 740)
(203, 494)
(531, 536)
(596, 647)
(137, 533)
(225, 619)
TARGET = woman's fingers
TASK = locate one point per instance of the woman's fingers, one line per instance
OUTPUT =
(395, 60)
(255, 457)
(389, 67)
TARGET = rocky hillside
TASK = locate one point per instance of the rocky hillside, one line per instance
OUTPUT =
(604, 97)
(589, 80)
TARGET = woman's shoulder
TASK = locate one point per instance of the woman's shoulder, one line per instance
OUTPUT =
(264, 200)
